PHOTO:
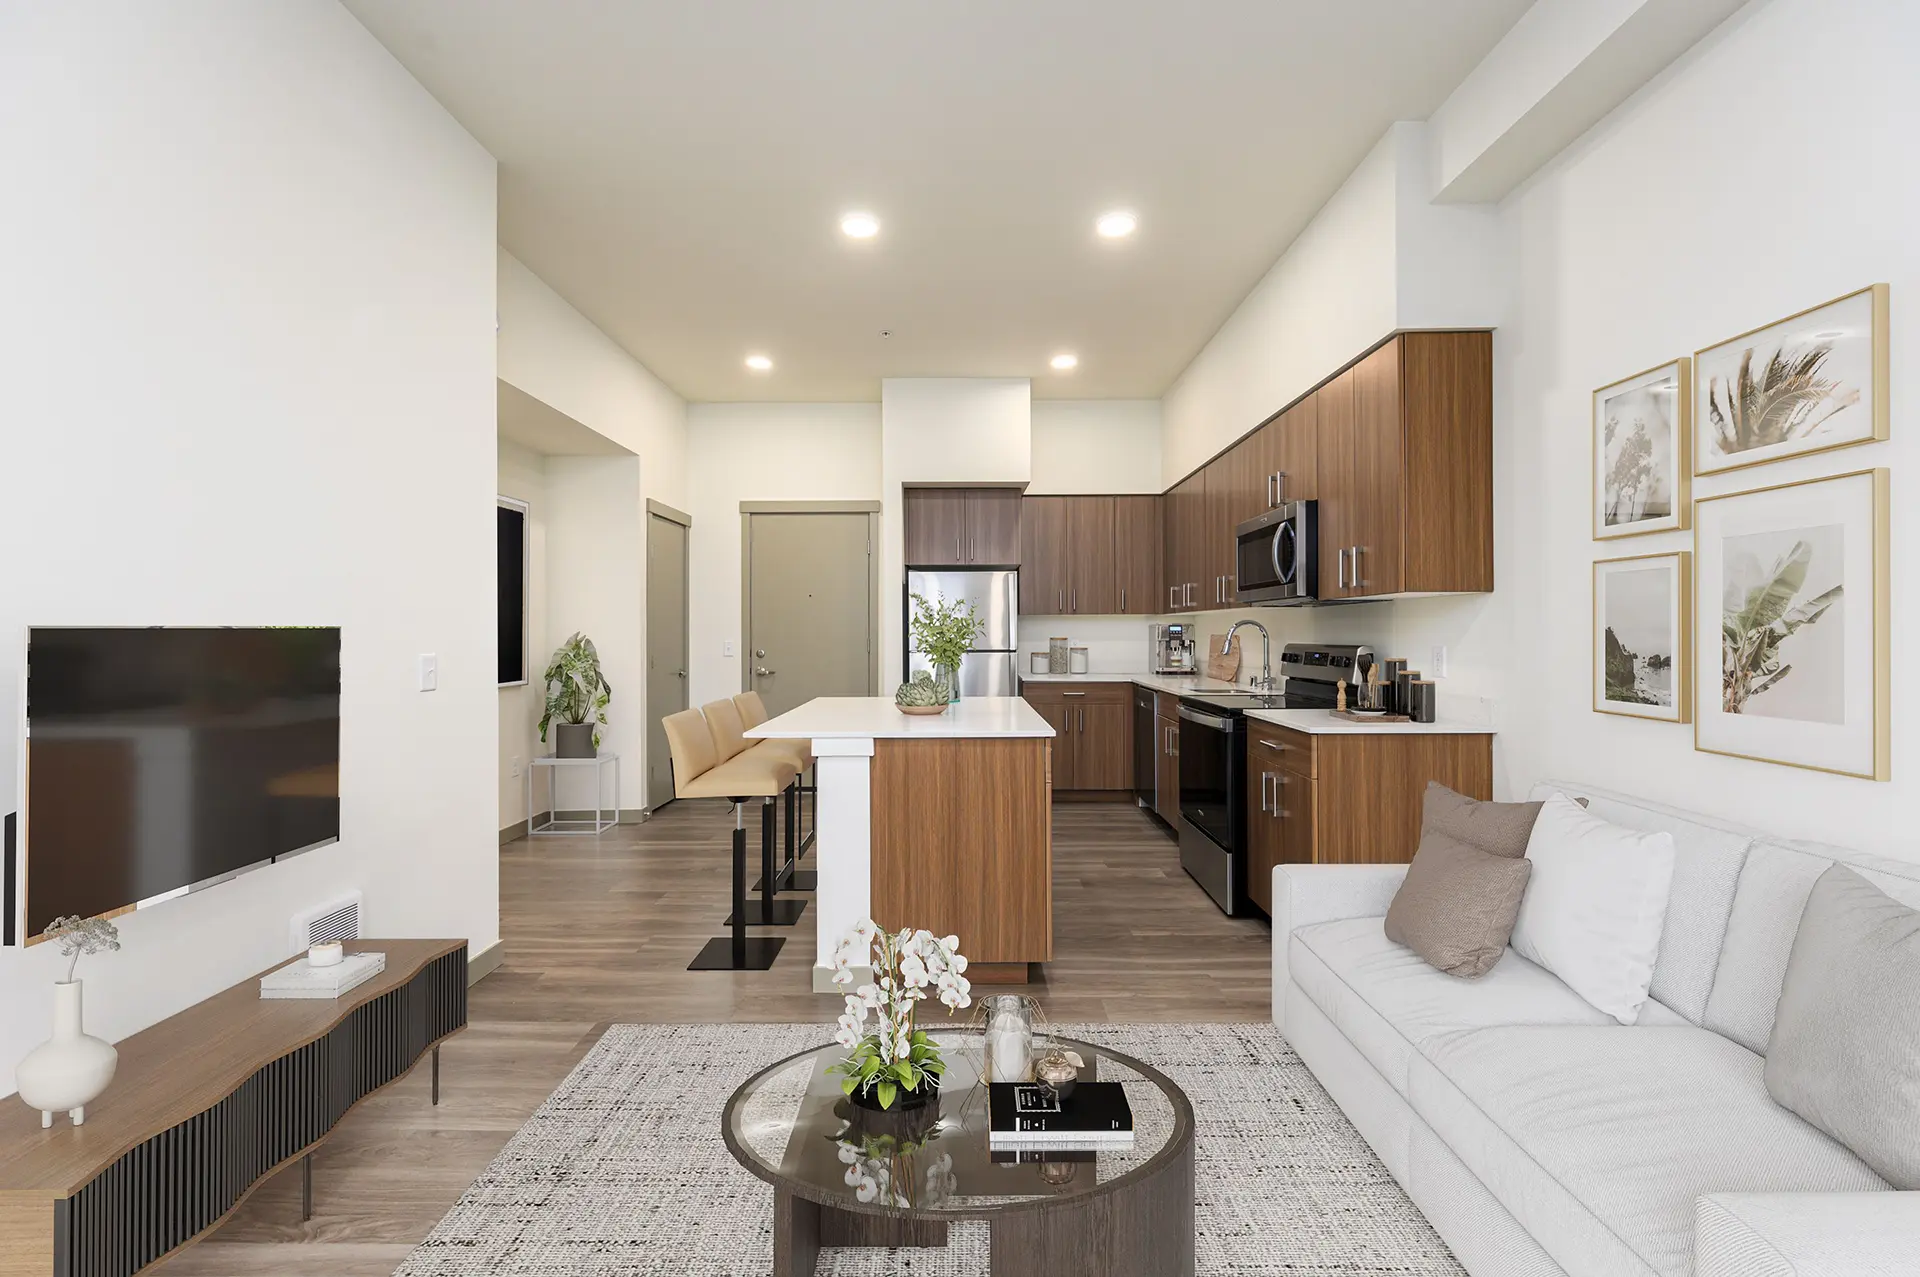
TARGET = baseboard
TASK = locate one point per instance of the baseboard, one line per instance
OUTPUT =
(1093, 796)
(516, 831)
(628, 816)
(484, 963)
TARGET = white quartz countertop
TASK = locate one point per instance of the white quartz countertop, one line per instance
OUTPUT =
(1316, 722)
(877, 718)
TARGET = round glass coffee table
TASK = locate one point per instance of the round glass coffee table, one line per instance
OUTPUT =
(845, 1177)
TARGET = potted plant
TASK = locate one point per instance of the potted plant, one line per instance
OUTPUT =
(577, 696)
(69, 1071)
(945, 631)
(892, 1062)
(923, 694)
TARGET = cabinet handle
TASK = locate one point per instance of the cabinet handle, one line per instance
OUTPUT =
(1123, 599)
(1073, 693)
(1280, 487)
(1270, 501)
(1265, 778)
(1059, 599)
(1341, 559)
(1073, 599)
(973, 548)
(1357, 582)
(1083, 721)
(1170, 603)
(1277, 746)
(957, 556)
(1279, 779)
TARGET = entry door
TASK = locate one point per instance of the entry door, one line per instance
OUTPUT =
(810, 609)
(666, 647)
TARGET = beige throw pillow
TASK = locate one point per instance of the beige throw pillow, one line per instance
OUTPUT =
(1457, 904)
(1845, 1052)
(1499, 829)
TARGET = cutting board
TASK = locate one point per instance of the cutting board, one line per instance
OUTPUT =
(1225, 668)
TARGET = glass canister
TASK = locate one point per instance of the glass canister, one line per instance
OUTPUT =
(1059, 656)
(1009, 1038)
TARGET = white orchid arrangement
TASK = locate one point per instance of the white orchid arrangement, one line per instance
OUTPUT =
(891, 1055)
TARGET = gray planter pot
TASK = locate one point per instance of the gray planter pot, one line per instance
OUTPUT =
(573, 740)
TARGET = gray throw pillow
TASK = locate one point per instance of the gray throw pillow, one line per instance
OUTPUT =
(1845, 1052)
(1499, 829)
(1457, 904)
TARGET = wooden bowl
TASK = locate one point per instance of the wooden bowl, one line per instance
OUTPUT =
(920, 709)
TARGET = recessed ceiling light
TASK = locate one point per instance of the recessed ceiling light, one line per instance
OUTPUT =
(1116, 225)
(759, 363)
(860, 225)
(1065, 363)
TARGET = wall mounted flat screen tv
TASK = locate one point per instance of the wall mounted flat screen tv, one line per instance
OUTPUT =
(164, 760)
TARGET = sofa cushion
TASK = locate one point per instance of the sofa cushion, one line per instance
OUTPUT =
(1773, 890)
(1845, 1051)
(1456, 906)
(1391, 1004)
(1706, 866)
(1598, 1139)
(1499, 829)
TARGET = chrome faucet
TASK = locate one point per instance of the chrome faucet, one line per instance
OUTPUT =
(1265, 681)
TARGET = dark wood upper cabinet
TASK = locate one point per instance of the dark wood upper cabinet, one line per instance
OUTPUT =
(1139, 550)
(1338, 479)
(993, 526)
(1092, 589)
(1043, 558)
(935, 526)
(1289, 452)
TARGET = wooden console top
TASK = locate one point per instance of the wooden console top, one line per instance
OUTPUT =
(182, 1066)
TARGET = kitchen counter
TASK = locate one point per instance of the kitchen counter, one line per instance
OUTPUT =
(877, 718)
(1317, 722)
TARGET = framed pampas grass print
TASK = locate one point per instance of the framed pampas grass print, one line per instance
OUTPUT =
(1792, 648)
(1642, 636)
(1641, 452)
(1807, 383)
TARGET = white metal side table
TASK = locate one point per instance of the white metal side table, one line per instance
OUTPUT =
(602, 819)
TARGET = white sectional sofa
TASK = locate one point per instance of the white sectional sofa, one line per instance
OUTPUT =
(1539, 1136)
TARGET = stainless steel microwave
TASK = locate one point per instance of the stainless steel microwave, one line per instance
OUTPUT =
(1278, 555)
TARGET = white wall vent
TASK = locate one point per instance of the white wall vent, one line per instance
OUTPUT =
(339, 920)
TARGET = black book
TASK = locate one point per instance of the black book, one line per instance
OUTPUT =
(1034, 1110)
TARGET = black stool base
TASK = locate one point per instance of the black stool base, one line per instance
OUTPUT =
(786, 913)
(758, 953)
(793, 880)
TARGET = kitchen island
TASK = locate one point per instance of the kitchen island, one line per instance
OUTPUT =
(938, 821)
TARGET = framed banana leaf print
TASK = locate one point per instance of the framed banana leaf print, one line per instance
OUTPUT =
(1796, 670)
(1810, 382)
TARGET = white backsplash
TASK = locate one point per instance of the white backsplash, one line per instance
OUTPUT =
(1115, 644)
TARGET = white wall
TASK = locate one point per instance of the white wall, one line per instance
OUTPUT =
(523, 475)
(251, 381)
(759, 452)
(1642, 242)
(942, 430)
(1096, 445)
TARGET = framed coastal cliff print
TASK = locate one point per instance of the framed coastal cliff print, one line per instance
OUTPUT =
(1642, 636)
(1810, 382)
(1792, 653)
(1640, 452)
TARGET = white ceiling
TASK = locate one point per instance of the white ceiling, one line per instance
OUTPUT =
(677, 170)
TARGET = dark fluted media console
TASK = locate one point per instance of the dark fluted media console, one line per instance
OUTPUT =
(206, 1105)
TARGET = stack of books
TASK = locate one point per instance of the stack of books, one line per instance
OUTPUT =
(301, 979)
(1033, 1117)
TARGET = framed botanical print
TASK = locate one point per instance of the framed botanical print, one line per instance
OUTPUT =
(1812, 381)
(1640, 452)
(1792, 651)
(1642, 636)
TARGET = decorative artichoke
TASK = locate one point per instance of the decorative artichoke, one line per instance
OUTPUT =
(925, 689)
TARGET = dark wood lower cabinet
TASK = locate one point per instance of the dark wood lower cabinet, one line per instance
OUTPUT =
(1093, 745)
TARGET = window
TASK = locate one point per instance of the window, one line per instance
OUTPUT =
(511, 520)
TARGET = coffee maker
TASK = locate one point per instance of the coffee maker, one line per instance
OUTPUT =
(1170, 648)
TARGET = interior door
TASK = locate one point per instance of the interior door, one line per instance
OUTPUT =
(934, 526)
(810, 609)
(666, 647)
(1091, 588)
(993, 526)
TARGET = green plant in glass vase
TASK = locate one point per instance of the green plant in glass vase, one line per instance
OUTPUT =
(890, 1060)
(577, 692)
(945, 631)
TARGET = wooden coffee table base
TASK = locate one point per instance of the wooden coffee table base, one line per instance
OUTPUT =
(1144, 1229)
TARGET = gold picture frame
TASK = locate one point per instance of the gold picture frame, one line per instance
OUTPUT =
(1679, 449)
(1874, 651)
(1680, 638)
(1872, 425)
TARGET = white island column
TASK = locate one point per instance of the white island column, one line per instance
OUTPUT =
(843, 845)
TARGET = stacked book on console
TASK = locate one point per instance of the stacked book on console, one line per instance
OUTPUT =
(301, 979)
(1032, 1115)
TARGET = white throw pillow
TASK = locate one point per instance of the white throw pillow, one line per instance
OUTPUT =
(1594, 907)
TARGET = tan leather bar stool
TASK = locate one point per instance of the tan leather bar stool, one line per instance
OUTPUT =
(723, 722)
(753, 712)
(699, 773)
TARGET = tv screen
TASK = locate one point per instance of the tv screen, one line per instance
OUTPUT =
(159, 760)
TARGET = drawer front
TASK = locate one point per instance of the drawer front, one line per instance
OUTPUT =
(1269, 746)
(1035, 693)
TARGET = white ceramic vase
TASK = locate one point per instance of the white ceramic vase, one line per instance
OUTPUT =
(70, 1070)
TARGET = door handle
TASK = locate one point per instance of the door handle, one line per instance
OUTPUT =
(679, 673)
(761, 669)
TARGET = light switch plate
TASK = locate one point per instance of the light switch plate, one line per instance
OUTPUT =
(429, 671)
(726, 648)
(1439, 660)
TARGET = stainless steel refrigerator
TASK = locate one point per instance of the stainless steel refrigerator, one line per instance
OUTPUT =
(992, 667)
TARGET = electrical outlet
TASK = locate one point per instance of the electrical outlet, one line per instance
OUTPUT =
(1439, 660)
(516, 764)
(429, 671)
(726, 648)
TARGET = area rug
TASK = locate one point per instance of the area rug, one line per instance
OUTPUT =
(622, 1170)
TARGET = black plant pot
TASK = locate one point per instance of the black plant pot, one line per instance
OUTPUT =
(573, 740)
(904, 1101)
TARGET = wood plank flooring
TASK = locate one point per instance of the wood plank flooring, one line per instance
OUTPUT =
(599, 931)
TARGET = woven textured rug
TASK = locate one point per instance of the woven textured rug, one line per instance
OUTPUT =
(622, 1170)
